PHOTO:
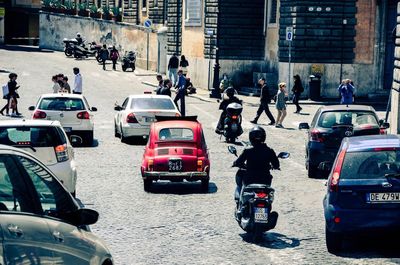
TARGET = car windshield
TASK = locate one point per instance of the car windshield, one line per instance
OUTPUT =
(176, 134)
(152, 103)
(34, 136)
(355, 118)
(370, 164)
(65, 104)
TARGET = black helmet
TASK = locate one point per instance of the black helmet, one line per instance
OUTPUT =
(230, 92)
(257, 135)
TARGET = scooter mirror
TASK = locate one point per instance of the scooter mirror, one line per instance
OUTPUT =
(232, 150)
(283, 155)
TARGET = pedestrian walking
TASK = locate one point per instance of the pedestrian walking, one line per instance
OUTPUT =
(104, 55)
(265, 99)
(184, 65)
(56, 85)
(166, 90)
(77, 82)
(12, 95)
(160, 84)
(281, 104)
(297, 90)
(173, 65)
(346, 90)
(66, 88)
(114, 57)
(181, 92)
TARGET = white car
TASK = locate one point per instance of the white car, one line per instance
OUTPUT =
(137, 113)
(72, 110)
(48, 142)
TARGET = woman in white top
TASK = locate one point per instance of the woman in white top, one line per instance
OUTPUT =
(56, 86)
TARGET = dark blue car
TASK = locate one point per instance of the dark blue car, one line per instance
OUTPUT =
(363, 191)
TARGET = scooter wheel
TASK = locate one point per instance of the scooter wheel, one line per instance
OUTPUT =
(68, 53)
(98, 59)
(124, 69)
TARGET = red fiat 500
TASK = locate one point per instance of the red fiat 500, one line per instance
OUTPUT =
(176, 151)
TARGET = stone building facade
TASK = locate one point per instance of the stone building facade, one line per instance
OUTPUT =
(395, 92)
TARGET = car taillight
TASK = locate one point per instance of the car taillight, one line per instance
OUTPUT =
(315, 136)
(39, 115)
(61, 152)
(131, 118)
(199, 165)
(234, 117)
(83, 115)
(261, 195)
(150, 165)
(334, 180)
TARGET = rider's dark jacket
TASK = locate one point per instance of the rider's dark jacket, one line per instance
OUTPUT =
(224, 104)
(259, 160)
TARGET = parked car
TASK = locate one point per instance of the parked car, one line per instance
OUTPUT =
(48, 142)
(73, 112)
(138, 112)
(176, 151)
(363, 191)
(40, 222)
(331, 124)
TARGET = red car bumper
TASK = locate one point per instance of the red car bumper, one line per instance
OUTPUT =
(192, 176)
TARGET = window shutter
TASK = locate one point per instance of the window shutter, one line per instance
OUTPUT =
(193, 13)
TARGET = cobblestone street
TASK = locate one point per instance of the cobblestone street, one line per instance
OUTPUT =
(177, 223)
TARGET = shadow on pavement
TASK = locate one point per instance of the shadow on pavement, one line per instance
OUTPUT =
(95, 144)
(383, 245)
(181, 188)
(24, 48)
(274, 240)
(135, 141)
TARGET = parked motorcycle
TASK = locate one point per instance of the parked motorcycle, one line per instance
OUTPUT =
(69, 46)
(128, 61)
(233, 122)
(256, 215)
(81, 51)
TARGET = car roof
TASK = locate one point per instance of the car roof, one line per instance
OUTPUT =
(346, 107)
(61, 95)
(28, 122)
(176, 124)
(363, 143)
(149, 96)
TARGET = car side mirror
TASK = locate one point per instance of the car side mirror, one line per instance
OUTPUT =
(93, 109)
(85, 217)
(283, 155)
(385, 125)
(232, 150)
(304, 125)
(325, 166)
(118, 108)
(31, 108)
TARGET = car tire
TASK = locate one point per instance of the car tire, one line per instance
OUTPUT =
(333, 241)
(204, 184)
(116, 133)
(312, 171)
(121, 134)
(147, 184)
(89, 139)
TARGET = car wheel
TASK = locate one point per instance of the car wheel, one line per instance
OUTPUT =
(116, 133)
(333, 241)
(312, 171)
(121, 134)
(147, 184)
(204, 184)
(89, 139)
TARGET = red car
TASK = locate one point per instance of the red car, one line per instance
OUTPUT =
(176, 151)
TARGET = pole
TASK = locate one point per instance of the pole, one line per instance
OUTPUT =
(148, 44)
(290, 68)
(215, 93)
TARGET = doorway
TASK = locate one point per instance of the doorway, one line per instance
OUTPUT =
(390, 44)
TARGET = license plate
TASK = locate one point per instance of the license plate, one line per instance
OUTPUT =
(383, 197)
(148, 119)
(175, 165)
(261, 215)
(67, 129)
(234, 127)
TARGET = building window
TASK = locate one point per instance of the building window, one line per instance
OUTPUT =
(272, 12)
(155, 3)
(193, 13)
(144, 5)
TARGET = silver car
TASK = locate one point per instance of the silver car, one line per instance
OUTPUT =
(40, 222)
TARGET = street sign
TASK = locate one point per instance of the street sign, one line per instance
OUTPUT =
(289, 33)
(148, 23)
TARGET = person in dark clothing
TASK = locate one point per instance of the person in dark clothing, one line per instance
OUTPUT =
(173, 66)
(160, 84)
(12, 94)
(114, 57)
(230, 93)
(184, 65)
(190, 89)
(180, 92)
(104, 55)
(258, 160)
(166, 90)
(297, 90)
(79, 38)
(60, 80)
(265, 99)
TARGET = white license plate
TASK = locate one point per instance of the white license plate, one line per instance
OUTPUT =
(67, 129)
(261, 215)
(149, 119)
(383, 197)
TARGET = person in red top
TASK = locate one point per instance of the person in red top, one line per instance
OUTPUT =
(114, 57)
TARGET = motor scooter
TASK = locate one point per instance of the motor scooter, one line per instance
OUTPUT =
(254, 214)
(69, 46)
(129, 61)
(233, 122)
(81, 51)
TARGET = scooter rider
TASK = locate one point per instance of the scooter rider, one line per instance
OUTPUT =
(230, 93)
(79, 38)
(257, 160)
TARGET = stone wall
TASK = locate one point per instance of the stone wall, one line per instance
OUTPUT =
(395, 103)
(55, 27)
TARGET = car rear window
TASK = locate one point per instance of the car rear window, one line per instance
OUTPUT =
(176, 134)
(356, 118)
(33, 136)
(370, 164)
(65, 104)
(152, 103)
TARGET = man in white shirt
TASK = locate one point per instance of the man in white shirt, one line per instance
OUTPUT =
(78, 81)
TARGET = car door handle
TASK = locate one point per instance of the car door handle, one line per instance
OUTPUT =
(58, 236)
(15, 230)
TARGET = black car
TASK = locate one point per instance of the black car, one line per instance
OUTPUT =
(330, 125)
